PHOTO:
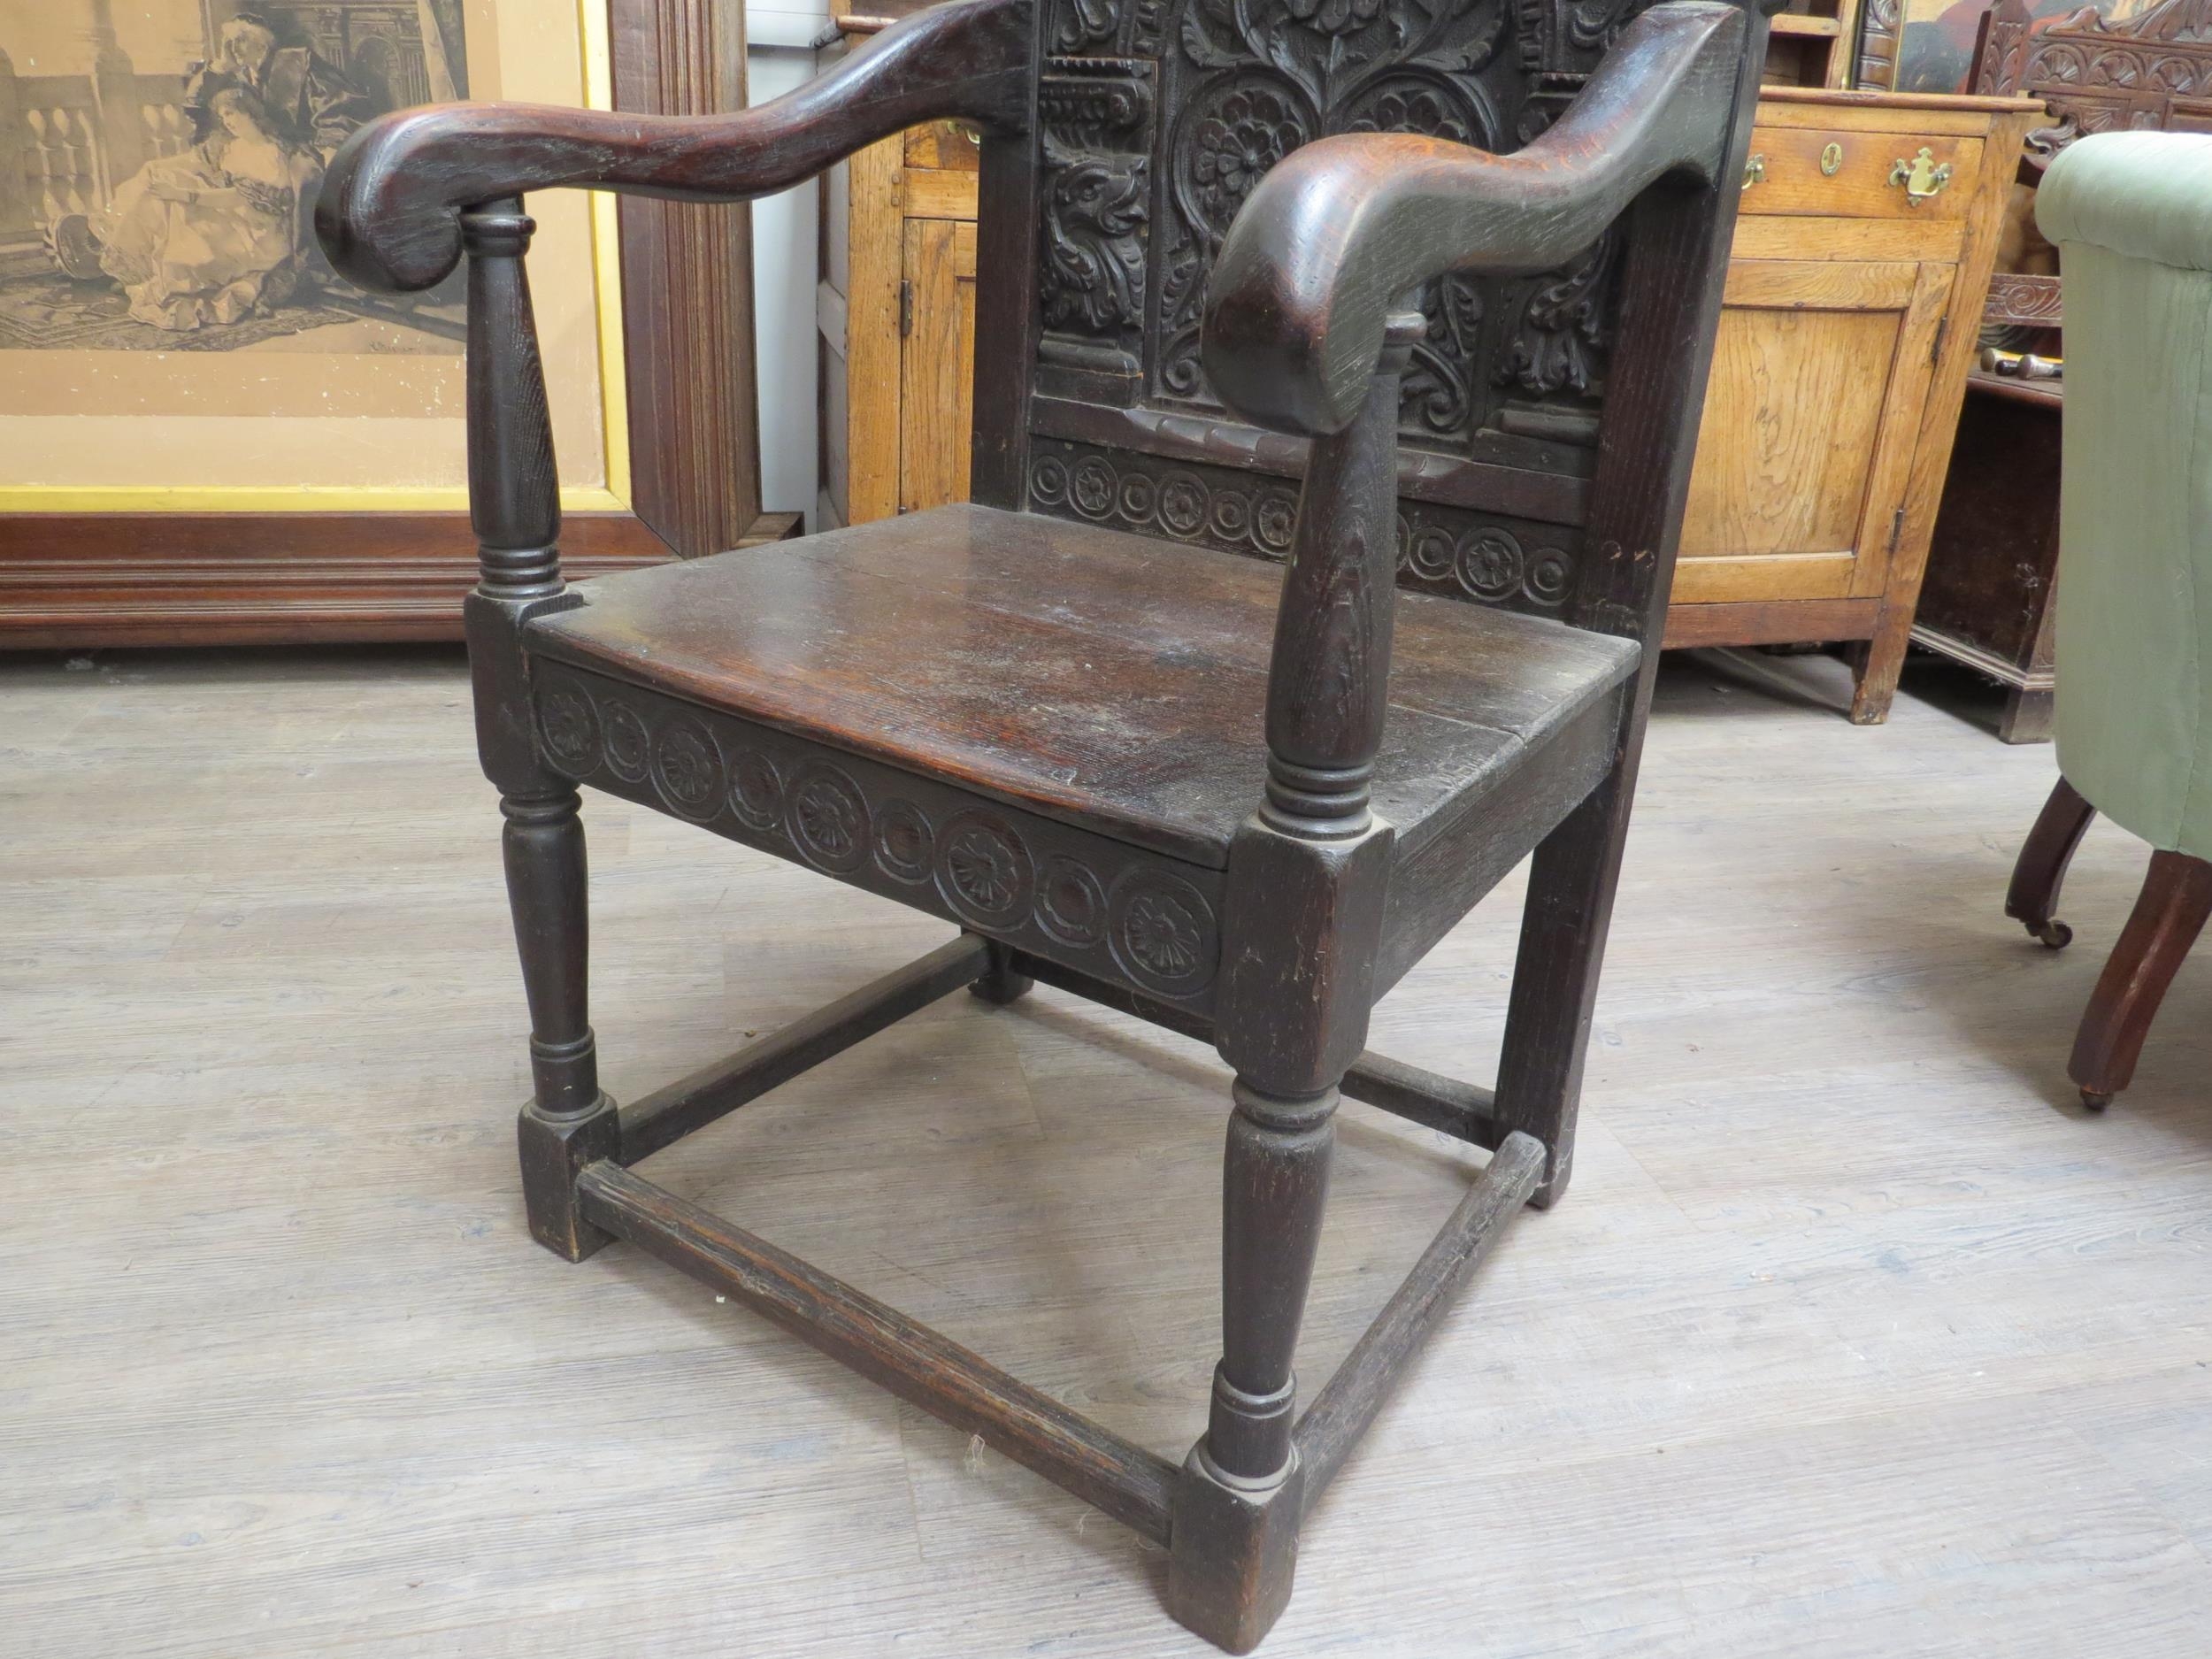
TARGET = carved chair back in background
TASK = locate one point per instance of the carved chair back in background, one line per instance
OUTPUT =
(1393, 291)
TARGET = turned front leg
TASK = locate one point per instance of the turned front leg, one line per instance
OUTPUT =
(1275, 1183)
(547, 887)
(569, 1122)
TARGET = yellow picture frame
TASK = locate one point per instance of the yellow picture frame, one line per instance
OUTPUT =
(615, 495)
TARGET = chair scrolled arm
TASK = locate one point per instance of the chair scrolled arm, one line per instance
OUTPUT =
(390, 213)
(1331, 241)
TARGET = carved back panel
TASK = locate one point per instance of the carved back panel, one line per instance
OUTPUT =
(2154, 70)
(1155, 118)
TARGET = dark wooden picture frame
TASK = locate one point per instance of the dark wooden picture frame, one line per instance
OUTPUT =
(86, 579)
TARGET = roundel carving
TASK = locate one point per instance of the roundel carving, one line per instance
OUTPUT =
(568, 726)
(984, 870)
(827, 818)
(904, 842)
(1070, 904)
(688, 767)
(1162, 932)
(628, 746)
(756, 791)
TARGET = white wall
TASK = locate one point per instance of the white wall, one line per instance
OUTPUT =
(780, 39)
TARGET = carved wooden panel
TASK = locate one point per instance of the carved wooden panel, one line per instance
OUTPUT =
(1522, 563)
(1110, 911)
(1157, 117)
(2152, 69)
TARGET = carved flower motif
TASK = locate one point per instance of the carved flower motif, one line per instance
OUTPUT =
(1183, 504)
(689, 767)
(571, 731)
(1252, 130)
(829, 820)
(1276, 520)
(1490, 565)
(983, 868)
(1162, 935)
(1335, 17)
(1092, 491)
(1413, 110)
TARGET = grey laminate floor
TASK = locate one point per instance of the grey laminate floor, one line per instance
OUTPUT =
(1854, 1337)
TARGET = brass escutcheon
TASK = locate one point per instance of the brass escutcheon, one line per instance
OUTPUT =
(1922, 176)
(1754, 171)
(1830, 160)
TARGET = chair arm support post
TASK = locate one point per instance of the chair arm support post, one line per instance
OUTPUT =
(388, 213)
(1332, 238)
(514, 496)
(1329, 674)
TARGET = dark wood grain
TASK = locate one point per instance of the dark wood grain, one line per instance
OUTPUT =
(1032, 661)
(1332, 238)
(2170, 913)
(389, 211)
(912, 1361)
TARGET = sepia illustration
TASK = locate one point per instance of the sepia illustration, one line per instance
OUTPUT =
(159, 161)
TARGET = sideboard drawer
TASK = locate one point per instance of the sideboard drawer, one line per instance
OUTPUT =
(1791, 173)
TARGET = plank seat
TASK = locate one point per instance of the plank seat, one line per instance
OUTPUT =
(1102, 680)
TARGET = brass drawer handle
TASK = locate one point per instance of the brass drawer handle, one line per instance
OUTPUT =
(1754, 171)
(1923, 176)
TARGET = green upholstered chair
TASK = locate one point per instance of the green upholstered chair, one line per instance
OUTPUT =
(2131, 215)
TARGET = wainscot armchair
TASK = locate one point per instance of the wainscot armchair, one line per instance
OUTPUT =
(2131, 215)
(1397, 293)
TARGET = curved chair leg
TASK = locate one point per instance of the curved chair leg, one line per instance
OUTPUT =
(2168, 914)
(2042, 863)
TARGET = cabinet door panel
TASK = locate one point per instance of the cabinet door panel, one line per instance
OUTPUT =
(1818, 375)
(937, 364)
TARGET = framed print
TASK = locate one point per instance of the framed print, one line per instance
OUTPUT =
(1928, 45)
(206, 435)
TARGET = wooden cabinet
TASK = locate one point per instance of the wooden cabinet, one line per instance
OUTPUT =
(1869, 226)
(896, 310)
(1990, 600)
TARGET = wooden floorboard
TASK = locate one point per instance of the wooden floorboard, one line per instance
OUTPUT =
(1853, 1336)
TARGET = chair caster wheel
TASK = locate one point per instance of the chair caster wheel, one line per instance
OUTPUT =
(2096, 1100)
(2054, 935)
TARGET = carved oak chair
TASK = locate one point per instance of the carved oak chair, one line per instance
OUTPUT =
(1458, 268)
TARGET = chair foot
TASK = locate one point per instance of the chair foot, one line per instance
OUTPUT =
(2041, 867)
(1000, 983)
(2096, 1100)
(1232, 1552)
(555, 1150)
